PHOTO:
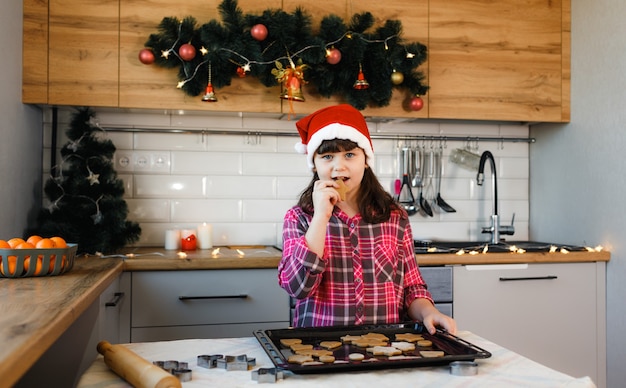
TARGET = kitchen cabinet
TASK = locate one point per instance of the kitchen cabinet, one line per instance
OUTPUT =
(71, 52)
(501, 61)
(439, 281)
(554, 314)
(168, 305)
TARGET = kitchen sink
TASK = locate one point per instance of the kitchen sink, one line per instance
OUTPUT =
(434, 246)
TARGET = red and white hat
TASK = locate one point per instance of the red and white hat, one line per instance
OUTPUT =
(334, 122)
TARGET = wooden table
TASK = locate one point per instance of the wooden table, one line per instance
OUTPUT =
(36, 311)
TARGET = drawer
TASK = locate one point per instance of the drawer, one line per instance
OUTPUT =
(439, 281)
(171, 333)
(171, 298)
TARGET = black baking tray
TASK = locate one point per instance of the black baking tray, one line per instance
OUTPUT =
(454, 348)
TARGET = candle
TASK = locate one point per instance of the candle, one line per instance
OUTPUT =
(205, 236)
(188, 243)
(172, 239)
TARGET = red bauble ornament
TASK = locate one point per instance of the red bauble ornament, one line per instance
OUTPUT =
(416, 103)
(333, 56)
(259, 32)
(187, 52)
(146, 56)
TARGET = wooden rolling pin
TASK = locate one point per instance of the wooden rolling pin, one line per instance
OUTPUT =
(137, 371)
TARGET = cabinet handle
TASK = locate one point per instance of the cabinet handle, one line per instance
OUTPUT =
(529, 278)
(240, 296)
(116, 299)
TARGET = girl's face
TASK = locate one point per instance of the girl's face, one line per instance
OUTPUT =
(348, 166)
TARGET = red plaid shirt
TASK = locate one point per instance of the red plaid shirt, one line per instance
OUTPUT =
(368, 275)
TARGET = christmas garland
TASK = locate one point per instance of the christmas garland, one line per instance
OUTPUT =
(355, 61)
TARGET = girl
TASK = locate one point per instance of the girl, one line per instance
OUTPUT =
(350, 261)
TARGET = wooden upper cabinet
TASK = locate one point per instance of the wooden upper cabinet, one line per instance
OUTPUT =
(504, 61)
(83, 52)
(499, 60)
(35, 52)
(153, 87)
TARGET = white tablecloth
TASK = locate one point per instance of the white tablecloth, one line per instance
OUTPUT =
(503, 369)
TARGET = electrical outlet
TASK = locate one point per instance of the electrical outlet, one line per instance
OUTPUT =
(124, 161)
(142, 161)
(160, 162)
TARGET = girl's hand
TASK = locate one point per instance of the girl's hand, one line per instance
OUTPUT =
(325, 196)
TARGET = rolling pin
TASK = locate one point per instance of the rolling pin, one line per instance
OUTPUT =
(137, 371)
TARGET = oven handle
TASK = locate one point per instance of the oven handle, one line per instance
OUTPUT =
(548, 277)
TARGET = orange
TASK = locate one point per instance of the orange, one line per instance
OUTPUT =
(14, 242)
(4, 245)
(45, 243)
(12, 263)
(38, 264)
(59, 242)
(34, 239)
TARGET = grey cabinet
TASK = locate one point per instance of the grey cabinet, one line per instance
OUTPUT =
(439, 282)
(554, 314)
(168, 305)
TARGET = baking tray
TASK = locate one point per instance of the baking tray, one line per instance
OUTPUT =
(454, 348)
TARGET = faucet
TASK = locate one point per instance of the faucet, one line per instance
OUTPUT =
(495, 229)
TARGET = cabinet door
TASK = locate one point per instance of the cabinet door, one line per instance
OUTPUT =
(152, 87)
(499, 60)
(34, 50)
(83, 52)
(550, 313)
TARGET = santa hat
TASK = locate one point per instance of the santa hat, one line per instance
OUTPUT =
(334, 122)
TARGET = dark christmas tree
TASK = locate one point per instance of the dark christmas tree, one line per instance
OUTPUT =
(86, 196)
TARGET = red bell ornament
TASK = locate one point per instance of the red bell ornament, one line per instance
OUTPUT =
(187, 52)
(209, 93)
(361, 83)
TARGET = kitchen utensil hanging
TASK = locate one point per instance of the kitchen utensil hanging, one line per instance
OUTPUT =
(443, 205)
(406, 198)
(426, 191)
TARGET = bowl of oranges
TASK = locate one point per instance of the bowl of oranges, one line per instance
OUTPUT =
(35, 256)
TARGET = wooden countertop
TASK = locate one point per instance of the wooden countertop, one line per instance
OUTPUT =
(157, 259)
(36, 311)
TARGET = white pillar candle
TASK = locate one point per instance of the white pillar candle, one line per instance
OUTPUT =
(205, 236)
(172, 239)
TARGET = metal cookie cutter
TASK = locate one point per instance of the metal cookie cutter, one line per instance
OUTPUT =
(463, 368)
(267, 375)
(182, 374)
(241, 362)
(209, 361)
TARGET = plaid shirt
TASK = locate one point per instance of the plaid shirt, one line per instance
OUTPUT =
(368, 275)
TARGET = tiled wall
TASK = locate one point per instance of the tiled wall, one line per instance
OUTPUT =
(243, 183)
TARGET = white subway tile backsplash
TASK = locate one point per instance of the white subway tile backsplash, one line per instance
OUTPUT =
(274, 164)
(169, 186)
(258, 187)
(195, 141)
(265, 210)
(216, 163)
(149, 210)
(207, 210)
(244, 183)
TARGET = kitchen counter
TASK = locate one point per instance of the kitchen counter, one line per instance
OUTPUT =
(36, 311)
(503, 368)
(155, 259)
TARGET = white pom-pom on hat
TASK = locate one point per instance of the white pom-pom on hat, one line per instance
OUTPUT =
(334, 122)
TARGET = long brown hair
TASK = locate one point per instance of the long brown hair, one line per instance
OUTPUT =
(375, 204)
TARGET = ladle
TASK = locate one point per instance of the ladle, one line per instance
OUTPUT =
(423, 199)
(440, 201)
